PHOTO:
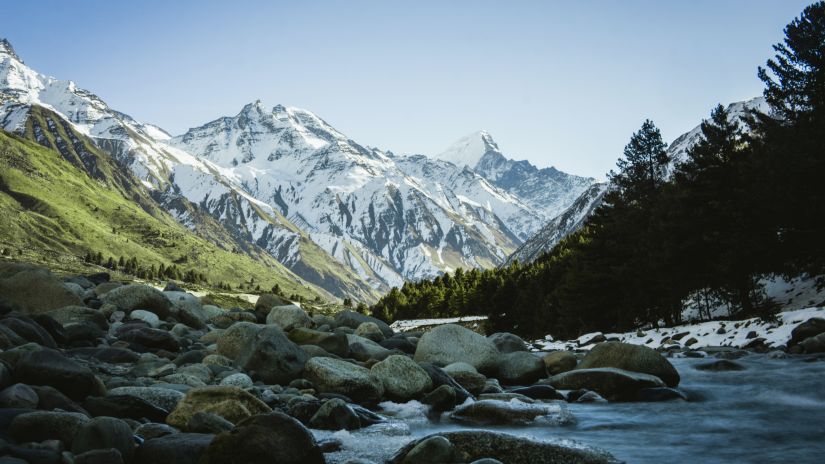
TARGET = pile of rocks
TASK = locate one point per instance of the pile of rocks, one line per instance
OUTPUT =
(98, 371)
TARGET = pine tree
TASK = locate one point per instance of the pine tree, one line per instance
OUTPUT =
(643, 169)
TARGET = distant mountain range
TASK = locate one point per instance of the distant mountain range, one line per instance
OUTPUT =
(341, 216)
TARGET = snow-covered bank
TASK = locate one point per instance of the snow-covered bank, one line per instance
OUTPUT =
(412, 324)
(736, 334)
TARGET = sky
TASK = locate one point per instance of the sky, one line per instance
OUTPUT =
(561, 84)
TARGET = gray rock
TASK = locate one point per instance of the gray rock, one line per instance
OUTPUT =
(102, 433)
(99, 456)
(810, 328)
(814, 344)
(363, 349)
(265, 303)
(19, 395)
(441, 399)
(239, 379)
(33, 289)
(370, 331)
(335, 414)
(353, 319)
(507, 342)
(231, 403)
(335, 343)
(206, 422)
(613, 384)
(131, 297)
(335, 376)
(433, 449)
(636, 358)
(452, 343)
(272, 357)
(77, 314)
(288, 317)
(49, 367)
(163, 398)
(402, 378)
(467, 377)
(477, 444)
(236, 339)
(520, 368)
(265, 439)
(179, 448)
(559, 361)
(146, 316)
(46, 425)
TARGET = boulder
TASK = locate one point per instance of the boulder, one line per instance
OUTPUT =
(335, 414)
(130, 297)
(29, 330)
(334, 343)
(467, 377)
(507, 342)
(810, 328)
(441, 399)
(148, 339)
(363, 349)
(231, 403)
(103, 433)
(19, 395)
(265, 303)
(815, 344)
(124, 407)
(636, 358)
(611, 383)
(335, 376)
(77, 314)
(402, 378)
(353, 319)
(238, 379)
(206, 422)
(450, 343)
(559, 361)
(49, 367)
(236, 339)
(33, 289)
(432, 449)
(288, 317)
(513, 412)
(46, 425)
(265, 439)
(370, 331)
(478, 444)
(439, 377)
(148, 317)
(162, 398)
(272, 357)
(520, 368)
(178, 448)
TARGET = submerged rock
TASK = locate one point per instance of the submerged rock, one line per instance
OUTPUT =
(474, 445)
(513, 412)
(720, 366)
(613, 384)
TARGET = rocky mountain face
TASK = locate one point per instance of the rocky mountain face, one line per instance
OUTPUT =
(575, 215)
(351, 219)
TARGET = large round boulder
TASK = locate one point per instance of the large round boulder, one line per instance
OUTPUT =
(236, 339)
(403, 379)
(231, 403)
(611, 383)
(507, 342)
(272, 357)
(336, 376)
(520, 368)
(33, 289)
(49, 367)
(130, 297)
(265, 303)
(451, 343)
(636, 358)
(265, 439)
(559, 361)
(288, 317)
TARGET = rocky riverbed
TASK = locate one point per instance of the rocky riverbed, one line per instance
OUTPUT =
(94, 371)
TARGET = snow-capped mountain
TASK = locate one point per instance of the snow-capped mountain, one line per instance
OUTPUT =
(386, 217)
(351, 219)
(547, 192)
(569, 221)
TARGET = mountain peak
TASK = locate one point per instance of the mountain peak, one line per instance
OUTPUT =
(468, 150)
(7, 49)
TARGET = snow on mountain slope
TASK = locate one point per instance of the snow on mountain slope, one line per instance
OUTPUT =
(179, 181)
(546, 191)
(571, 220)
(394, 217)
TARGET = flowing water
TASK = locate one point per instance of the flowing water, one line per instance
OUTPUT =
(774, 411)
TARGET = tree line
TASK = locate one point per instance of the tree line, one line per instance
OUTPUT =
(746, 202)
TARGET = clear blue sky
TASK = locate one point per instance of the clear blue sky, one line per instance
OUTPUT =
(558, 83)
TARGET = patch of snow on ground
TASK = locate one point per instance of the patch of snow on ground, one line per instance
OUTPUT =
(404, 326)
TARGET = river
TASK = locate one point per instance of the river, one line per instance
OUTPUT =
(774, 411)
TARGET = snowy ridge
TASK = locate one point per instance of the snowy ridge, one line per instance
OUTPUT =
(468, 150)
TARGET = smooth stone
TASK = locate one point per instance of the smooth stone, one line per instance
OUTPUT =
(239, 380)
(507, 342)
(102, 433)
(450, 343)
(288, 317)
(370, 331)
(131, 297)
(635, 358)
(335, 414)
(430, 450)
(520, 368)
(49, 367)
(353, 319)
(231, 403)
(611, 383)
(19, 395)
(163, 398)
(335, 376)
(513, 412)
(206, 422)
(46, 425)
(559, 361)
(179, 448)
(402, 378)
(271, 357)
(124, 407)
(335, 343)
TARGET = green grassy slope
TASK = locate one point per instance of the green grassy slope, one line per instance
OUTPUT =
(54, 211)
